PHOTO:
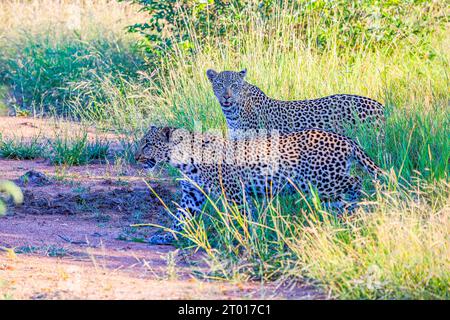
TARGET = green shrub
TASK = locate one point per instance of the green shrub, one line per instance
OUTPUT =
(184, 25)
(97, 150)
(22, 149)
(77, 150)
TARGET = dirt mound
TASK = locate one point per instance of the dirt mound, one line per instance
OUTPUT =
(125, 200)
(33, 178)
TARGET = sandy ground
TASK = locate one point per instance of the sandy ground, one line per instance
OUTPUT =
(27, 128)
(72, 239)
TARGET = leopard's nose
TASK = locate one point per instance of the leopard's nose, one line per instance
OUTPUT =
(227, 96)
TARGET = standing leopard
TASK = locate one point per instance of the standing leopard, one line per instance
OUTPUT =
(245, 107)
(264, 164)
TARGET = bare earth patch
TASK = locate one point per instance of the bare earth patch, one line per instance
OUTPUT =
(72, 239)
(27, 128)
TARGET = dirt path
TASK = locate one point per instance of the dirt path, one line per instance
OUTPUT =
(35, 128)
(71, 239)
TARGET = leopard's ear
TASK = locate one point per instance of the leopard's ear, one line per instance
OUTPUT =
(243, 73)
(151, 130)
(211, 74)
(166, 133)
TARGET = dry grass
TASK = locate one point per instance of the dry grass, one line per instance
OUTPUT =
(82, 16)
(400, 249)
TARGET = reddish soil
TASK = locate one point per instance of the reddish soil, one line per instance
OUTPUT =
(72, 239)
(27, 128)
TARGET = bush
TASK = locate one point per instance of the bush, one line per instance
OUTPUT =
(174, 22)
(360, 24)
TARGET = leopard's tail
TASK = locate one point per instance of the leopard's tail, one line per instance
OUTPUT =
(368, 164)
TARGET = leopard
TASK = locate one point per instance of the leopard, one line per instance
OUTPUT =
(245, 107)
(260, 165)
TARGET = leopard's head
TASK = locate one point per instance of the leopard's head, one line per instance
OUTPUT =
(154, 147)
(227, 85)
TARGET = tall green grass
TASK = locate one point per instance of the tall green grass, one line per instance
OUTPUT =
(48, 49)
(398, 250)
(412, 80)
(46, 71)
(397, 245)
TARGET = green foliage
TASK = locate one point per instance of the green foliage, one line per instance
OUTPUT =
(184, 25)
(77, 151)
(14, 148)
(171, 23)
(45, 70)
(373, 23)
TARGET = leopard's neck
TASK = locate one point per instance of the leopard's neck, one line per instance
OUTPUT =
(248, 109)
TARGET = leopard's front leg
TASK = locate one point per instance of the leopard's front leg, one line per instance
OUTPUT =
(192, 201)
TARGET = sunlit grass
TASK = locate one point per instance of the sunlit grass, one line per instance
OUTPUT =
(399, 249)
(49, 48)
(398, 246)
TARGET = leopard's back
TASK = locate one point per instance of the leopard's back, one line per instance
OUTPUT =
(335, 113)
(247, 107)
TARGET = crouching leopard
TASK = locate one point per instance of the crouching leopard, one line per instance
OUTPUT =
(270, 163)
(245, 107)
